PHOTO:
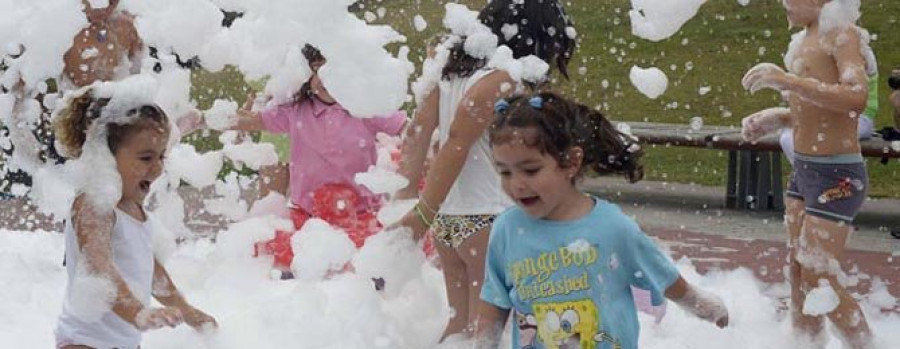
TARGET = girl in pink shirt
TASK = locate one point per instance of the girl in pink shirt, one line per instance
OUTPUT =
(328, 148)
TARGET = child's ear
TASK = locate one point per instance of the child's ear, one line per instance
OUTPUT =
(575, 155)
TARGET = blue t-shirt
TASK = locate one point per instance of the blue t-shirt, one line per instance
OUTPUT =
(568, 282)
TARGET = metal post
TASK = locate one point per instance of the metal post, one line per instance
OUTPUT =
(731, 195)
(744, 178)
(777, 189)
(764, 179)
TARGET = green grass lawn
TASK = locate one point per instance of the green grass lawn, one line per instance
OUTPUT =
(712, 50)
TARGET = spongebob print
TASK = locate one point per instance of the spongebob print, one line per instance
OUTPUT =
(565, 325)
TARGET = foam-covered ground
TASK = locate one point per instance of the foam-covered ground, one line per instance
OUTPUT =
(344, 311)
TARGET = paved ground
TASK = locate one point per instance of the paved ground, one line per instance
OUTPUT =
(692, 221)
(688, 219)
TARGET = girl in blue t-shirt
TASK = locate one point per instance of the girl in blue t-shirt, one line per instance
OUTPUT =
(564, 262)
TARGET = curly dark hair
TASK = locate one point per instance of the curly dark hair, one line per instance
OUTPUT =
(560, 125)
(541, 30)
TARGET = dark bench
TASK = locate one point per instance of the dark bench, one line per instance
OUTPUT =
(754, 169)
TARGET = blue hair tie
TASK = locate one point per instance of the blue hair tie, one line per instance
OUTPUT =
(501, 106)
(536, 102)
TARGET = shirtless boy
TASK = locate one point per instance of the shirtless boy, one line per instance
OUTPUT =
(826, 88)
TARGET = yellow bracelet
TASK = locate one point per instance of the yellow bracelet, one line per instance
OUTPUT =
(425, 203)
(422, 216)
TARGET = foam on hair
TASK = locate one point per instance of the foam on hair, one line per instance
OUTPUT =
(541, 28)
(85, 110)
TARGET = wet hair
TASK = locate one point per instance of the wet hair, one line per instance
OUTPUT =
(313, 56)
(542, 30)
(559, 125)
(75, 119)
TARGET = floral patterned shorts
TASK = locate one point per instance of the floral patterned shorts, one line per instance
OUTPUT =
(452, 230)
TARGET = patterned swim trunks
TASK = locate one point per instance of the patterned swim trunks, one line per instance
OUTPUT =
(832, 187)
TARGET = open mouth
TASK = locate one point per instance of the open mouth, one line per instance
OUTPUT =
(529, 201)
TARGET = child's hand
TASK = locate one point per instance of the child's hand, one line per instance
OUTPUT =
(765, 75)
(200, 321)
(763, 123)
(156, 318)
(190, 122)
(704, 305)
(253, 99)
(414, 223)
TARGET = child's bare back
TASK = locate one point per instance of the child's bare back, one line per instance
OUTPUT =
(103, 51)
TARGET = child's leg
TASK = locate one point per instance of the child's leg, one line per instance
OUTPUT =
(821, 247)
(794, 214)
(458, 258)
(455, 279)
(473, 252)
(833, 190)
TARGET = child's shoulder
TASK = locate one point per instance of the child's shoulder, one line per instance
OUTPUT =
(610, 216)
(838, 35)
(286, 109)
(508, 216)
(604, 214)
(88, 213)
(606, 210)
(294, 106)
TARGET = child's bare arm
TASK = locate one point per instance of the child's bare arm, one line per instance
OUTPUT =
(416, 142)
(474, 115)
(765, 122)
(489, 326)
(245, 119)
(850, 92)
(93, 229)
(702, 304)
(165, 292)
(248, 120)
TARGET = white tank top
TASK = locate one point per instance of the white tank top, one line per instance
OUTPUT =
(477, 189)
(132, 254)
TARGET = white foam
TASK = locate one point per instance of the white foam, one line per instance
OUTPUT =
(657, 20)
(652, 82)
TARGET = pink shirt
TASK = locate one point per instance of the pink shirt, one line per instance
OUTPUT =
(328, 146)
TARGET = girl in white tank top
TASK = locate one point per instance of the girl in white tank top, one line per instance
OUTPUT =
(462, 193)
(119, 142)
(132, 253)
(477, 188)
